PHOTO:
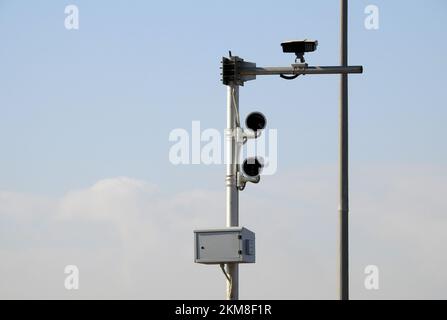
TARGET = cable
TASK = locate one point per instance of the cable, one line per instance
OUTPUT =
(230, 281)
(236, 111)
(222, 266)
(238, 125)
(289, 77)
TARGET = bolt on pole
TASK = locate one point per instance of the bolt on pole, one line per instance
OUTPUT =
(344, 162)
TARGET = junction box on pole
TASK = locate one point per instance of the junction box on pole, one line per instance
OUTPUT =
(227, 245)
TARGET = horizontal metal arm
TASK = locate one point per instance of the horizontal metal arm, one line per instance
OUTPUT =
(299, 70)
(236, 71)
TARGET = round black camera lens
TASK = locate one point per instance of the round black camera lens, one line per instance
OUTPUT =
(256, 121)
(252, 167)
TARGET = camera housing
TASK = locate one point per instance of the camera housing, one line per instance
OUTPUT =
(256, 121)
(252, 167)
(299, 47)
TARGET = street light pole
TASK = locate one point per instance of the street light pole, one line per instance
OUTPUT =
(344, 162)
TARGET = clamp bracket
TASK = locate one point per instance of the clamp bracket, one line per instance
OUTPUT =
(231, 71)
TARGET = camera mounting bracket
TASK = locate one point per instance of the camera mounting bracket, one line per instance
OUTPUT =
(241, 180)
(231, 71)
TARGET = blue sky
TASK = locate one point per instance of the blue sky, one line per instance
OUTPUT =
(82, 105)
(79, 107)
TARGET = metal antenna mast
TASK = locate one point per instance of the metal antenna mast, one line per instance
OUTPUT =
(232, 207)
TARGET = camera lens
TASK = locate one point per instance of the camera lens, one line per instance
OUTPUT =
(252, 167)
(256, 121)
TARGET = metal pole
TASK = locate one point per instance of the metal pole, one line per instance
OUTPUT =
(344, 173)
(232, 208)
(294, 71)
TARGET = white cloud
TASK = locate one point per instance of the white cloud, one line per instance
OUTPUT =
(110, 199)
(132, 240)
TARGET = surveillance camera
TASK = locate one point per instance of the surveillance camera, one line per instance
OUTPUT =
(252, 167)
(256, 121)
(299, 46)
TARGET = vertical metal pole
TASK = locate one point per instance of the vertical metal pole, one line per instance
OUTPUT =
(344, 173)
(232, 208)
